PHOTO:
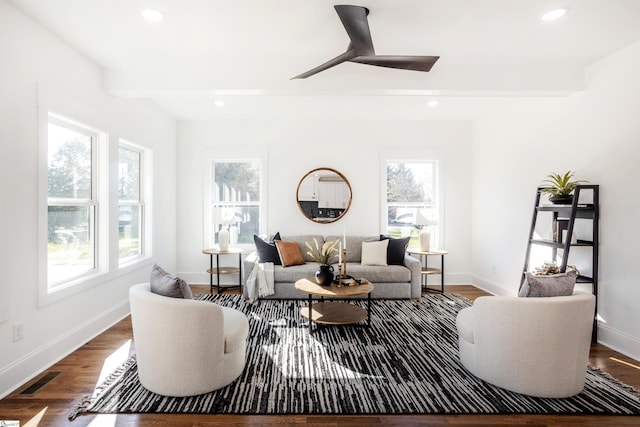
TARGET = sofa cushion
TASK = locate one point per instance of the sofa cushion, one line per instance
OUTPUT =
(374, 253)
(289, 253)
(301, 240)
(396, 250)
(296, 272)
(168, 285)
(380, 273)
(354, 245)
(267, 250)
(554, 285)
(373, 273)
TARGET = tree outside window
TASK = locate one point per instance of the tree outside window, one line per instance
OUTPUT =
(412, 199)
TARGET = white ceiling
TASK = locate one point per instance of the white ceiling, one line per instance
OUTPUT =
(244, 52)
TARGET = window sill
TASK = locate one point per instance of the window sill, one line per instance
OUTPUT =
(81, 284)
(48, 296)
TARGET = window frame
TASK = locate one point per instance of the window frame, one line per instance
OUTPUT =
(140, 203)
(90, 203)
(229, 156)
(415, 156)
(49, 292)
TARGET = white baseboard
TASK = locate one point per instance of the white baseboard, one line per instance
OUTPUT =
(453, 279)
(619, 341)
(204, 278)
(30, 365)
(196, 278)
(492, 287)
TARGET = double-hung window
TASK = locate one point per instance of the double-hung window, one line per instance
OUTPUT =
(412, 199)
(71, 200)
(235, 199)
(130, 203)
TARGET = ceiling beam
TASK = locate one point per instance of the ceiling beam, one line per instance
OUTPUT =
(352, 79)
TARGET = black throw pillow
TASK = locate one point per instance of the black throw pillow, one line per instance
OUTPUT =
(396, 249)
(267, 250)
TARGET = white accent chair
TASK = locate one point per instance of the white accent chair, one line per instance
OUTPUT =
(186, 347)
(533, 346)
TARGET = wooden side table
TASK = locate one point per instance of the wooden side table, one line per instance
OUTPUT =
(332, 312)
(218, 269)
(426, 270)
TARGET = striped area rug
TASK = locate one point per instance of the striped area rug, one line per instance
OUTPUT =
(405, 363)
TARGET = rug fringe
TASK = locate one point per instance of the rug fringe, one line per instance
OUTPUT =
(87, 400)
(608, 376)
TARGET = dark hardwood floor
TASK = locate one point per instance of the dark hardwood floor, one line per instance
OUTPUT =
(49, 404)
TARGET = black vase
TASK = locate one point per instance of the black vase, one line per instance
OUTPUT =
(324, 276)
(565, 199)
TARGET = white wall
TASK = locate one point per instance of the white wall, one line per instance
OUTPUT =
(37, 68)
(595, 133)
(352, 147)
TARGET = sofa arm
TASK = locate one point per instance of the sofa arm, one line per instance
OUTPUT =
(247, 266)
(415, 266)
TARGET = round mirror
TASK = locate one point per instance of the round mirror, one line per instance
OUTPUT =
(324, 195)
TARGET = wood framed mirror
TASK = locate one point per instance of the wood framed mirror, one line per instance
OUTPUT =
(324, 195)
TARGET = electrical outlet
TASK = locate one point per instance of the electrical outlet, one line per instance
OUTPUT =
(493, 269)
(18, 331)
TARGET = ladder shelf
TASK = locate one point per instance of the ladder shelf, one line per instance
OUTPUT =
(563, 218)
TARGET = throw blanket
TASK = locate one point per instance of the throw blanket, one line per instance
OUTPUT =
(260, 281)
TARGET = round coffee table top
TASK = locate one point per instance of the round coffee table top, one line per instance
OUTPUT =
(311, 287)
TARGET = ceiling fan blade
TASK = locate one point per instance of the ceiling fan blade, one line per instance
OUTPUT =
(347, 56)
(354, 20)
(360, 49)
(403, 62)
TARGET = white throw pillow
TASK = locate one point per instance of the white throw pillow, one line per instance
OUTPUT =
(374, 253)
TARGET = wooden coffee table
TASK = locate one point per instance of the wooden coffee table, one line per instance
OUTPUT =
(333, 312)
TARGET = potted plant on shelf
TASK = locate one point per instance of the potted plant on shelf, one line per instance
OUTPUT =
(561, 187)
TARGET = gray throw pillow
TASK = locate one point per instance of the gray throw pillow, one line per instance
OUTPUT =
(168, 285)
(554, 285)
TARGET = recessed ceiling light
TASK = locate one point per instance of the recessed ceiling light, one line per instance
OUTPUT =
(219, 103)
(433, 103)
(554, 14)
(152, 15)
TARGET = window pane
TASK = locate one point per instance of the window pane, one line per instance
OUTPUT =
(236, 182)
(69, 157)
(410, 182)
(241, 221)
(411, 199)
(129, 174)
(236, 200)
(70, 249)
(130, 231)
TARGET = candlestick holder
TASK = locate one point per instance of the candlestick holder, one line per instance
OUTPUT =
(342, 276)
(344, 257)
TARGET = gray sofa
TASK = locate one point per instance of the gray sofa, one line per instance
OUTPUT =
(391, 281)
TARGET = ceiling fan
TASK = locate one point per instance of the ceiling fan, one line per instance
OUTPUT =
(360, 49)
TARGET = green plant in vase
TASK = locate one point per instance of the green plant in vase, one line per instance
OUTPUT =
(560, 187)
